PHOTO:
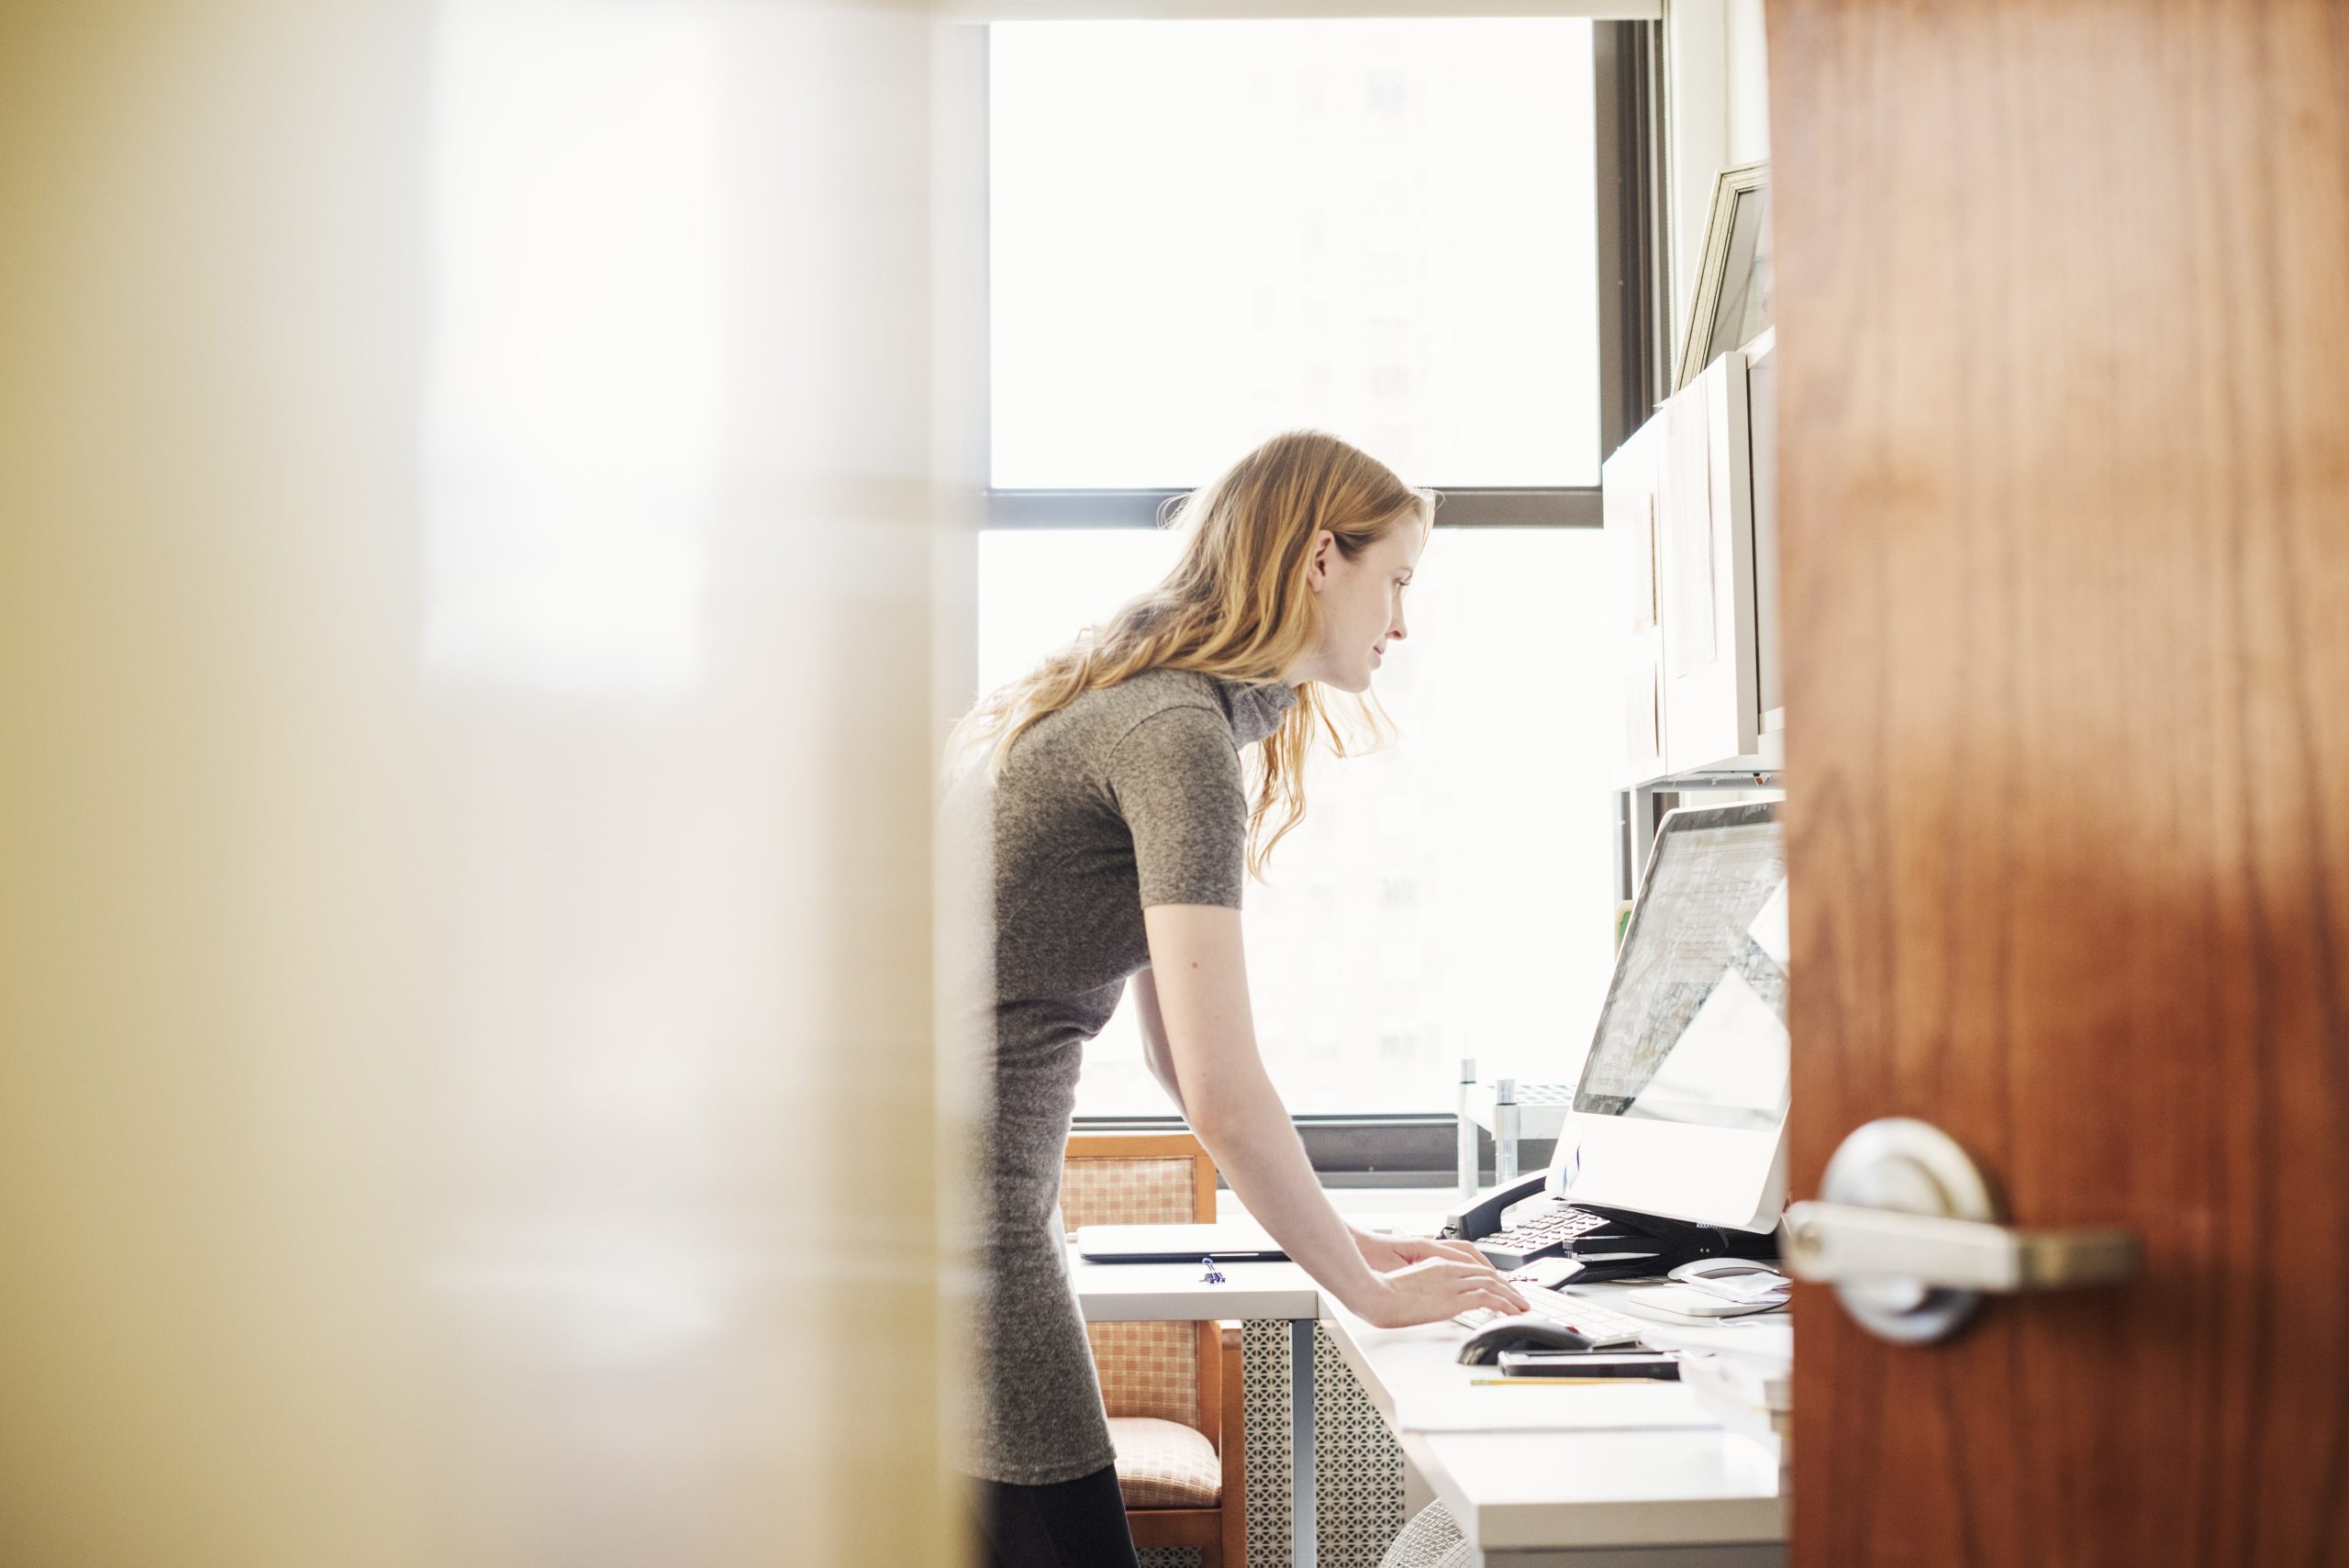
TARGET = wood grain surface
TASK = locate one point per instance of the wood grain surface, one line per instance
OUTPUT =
(2064, 340)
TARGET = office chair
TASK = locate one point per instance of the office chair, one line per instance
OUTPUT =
(1172, 1390)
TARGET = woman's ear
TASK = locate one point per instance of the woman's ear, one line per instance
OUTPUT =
(1317, 565)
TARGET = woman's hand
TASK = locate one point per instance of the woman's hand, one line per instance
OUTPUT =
(1384, 1253)
(1433, 1289)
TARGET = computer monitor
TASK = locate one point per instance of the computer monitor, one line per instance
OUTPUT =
(1682, 1103)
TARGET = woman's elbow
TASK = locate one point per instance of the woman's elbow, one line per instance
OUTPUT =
(1174, 1091)
(1215, 1116)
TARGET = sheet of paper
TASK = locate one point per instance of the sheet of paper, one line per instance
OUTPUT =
(1768, 928)
(1751, 1285)
(1771, 1337)
(1641, 732)
(1690, 1302)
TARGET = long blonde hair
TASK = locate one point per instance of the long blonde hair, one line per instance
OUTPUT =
(1236, 604)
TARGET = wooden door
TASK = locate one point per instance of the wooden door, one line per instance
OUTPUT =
(2064, 311)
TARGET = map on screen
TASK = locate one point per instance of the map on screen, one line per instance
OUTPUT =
(1694, 1028)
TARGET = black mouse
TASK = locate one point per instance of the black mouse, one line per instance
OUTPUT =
(1524, 1333)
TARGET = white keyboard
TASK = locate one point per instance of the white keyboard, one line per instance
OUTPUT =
(1602, 1326)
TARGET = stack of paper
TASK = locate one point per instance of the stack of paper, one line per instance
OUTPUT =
(1699, 1295)
(1763, 1287)
(1751, 1395)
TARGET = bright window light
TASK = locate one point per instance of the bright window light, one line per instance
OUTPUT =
(1204, 232)
(1450, 896)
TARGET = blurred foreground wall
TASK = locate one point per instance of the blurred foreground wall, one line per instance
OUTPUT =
(467, 581)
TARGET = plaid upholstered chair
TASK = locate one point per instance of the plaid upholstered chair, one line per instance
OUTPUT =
(1173, 1389)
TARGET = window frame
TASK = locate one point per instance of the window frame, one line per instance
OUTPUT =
(1405, 1149)
(1418, 1148)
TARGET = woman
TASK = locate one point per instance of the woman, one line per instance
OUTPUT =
(1121, 830)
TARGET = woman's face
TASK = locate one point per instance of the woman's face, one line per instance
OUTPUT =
(1361, 605)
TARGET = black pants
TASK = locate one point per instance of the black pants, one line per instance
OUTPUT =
(1069, 1524)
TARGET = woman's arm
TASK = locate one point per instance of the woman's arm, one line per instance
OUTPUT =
(1155, 1054)
(1382, 1252)
(1201, 986)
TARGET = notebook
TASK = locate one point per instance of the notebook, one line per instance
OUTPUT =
(1177, 1244)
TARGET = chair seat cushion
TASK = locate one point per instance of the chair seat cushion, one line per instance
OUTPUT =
(1164, 1465)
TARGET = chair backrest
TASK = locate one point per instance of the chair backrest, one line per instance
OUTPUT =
(1110, 1178)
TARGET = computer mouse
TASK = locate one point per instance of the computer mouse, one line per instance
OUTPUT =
(1526, 1333)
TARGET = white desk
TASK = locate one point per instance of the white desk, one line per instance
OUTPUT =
(1161, 1292)
(1568, 1475)
(1176, 1293)
(1546, 1477)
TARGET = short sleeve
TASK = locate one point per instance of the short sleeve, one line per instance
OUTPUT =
(1174, 778)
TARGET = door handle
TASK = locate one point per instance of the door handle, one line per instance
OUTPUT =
(1907, 1231)
(1830, 1242)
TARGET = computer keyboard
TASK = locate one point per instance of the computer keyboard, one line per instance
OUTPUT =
(1602, 1325)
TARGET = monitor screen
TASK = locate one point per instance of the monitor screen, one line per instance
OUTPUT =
(1693, 1029)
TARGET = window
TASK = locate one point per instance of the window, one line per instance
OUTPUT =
(1204, 232)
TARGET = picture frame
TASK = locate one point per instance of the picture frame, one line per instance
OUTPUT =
(1732, 304)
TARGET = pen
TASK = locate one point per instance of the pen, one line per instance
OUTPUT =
(1548, 1382)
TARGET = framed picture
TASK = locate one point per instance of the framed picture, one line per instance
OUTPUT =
(1731, 304)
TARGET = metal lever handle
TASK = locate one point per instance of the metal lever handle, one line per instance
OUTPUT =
(1907, 1231)
(1829, 1243)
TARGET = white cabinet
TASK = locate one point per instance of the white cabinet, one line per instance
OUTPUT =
(1697, 650)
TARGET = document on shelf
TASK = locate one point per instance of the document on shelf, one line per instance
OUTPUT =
(1691, 640)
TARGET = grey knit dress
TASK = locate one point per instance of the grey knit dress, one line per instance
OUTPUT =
(1132, 795)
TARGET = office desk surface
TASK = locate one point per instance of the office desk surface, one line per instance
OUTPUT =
(1530, 1470)
(1565, 1466)
(1416, 1382)
(1158, 1293)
